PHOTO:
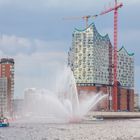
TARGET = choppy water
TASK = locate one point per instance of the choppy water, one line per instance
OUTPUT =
(89, 130)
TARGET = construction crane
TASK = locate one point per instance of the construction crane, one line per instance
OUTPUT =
(86, 18)
(115, 87)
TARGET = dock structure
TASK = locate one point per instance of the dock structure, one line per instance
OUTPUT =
(115, 115)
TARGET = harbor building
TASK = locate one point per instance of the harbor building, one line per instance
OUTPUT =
(136, 101)
(91, 60)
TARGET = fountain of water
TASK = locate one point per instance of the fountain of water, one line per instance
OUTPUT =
(62, 105)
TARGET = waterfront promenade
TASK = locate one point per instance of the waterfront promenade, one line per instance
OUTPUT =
(115, 115)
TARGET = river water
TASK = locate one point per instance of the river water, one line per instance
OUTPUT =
(87, 130)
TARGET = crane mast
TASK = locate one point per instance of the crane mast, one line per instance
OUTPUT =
(115, 86)
(115, 89)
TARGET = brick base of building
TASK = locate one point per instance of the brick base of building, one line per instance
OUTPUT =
(125, 97)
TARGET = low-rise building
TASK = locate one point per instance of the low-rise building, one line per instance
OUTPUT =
(136, 101)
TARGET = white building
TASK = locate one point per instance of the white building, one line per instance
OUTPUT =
(91, 59)
(125, 68)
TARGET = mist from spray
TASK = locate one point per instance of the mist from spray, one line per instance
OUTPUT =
(60, 106)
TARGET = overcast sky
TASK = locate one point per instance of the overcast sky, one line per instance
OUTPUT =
(33, 32)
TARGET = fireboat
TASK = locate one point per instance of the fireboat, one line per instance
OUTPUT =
(4, 122)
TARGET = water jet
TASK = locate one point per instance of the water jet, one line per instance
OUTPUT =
(61, 105)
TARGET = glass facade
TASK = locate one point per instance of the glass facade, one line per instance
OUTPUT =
(91, 58)
(125, 68)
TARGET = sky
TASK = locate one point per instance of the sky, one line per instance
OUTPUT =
(36, 36)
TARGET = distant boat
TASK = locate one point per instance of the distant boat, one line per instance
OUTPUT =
(94, 118)
(4, 122)
(99, 118)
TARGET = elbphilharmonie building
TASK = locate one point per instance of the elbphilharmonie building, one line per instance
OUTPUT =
(91, 60)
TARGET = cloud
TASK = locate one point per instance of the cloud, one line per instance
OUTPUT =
(62, 3)
(58, 4)
(38, 70)
(13, 45)
(37, 62)
(47, 3)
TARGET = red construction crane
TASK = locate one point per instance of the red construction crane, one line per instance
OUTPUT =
(86, 18)
(115, 88)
